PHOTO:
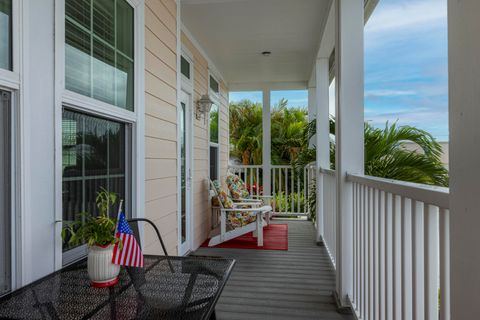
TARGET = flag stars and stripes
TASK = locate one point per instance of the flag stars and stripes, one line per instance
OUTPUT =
(129, 253)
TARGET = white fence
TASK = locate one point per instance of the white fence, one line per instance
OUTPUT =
(289, 190)
(401, 250)
(327, 205)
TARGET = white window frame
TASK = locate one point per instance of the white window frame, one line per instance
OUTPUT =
(81, 103)
(186, 85)
(215, 97)
(11, 81)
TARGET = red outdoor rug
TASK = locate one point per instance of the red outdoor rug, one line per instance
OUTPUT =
(275, 237)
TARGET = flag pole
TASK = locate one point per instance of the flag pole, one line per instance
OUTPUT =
(118, 215)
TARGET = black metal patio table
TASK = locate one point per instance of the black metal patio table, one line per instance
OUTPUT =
(166, 288)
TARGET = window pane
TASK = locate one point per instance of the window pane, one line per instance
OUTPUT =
(77, 59)
(124, 82)
(213, 84)
(213, 163)
(99, 50)
(79, 11)
(104, 20)
(103, 72)
(6, 34)
(185, 67)
(125, 28)
(94, 156)
(214, 124)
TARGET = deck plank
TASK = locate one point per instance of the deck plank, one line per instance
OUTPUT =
(271, 284)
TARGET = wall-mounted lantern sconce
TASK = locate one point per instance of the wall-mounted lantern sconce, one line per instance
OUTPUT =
(204, 104)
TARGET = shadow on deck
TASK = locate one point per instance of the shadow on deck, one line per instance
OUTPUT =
(268, 284)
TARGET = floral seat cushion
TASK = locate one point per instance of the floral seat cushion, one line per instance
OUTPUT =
(237, 187)
(235, 219)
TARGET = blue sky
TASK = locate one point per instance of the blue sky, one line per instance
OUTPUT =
(406, 75)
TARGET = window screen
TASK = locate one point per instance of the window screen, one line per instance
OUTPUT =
(213, 163)
(214, 124)
(95, 155)
(6, 34)
(99, 51)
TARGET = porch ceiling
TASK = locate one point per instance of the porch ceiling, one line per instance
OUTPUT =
(233, 33)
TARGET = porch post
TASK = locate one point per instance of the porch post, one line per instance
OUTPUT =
(322, 138)
(349, 155)
(266, 144)
(464, 149)
(312, 104)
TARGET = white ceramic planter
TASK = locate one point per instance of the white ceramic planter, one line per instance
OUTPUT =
(101, 270)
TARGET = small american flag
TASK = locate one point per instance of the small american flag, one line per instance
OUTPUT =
(130, 254)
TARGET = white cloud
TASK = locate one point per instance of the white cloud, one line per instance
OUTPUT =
(388, 93)
(407, 16)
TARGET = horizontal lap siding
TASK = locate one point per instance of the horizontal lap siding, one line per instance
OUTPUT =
(161, 124)
(201, 204)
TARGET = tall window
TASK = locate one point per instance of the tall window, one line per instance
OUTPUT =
(214, 113)
(99, 52)
(6, 34)
(94, 156)
(5, 193)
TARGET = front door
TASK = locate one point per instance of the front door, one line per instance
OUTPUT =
(5, 194)
(185, 220)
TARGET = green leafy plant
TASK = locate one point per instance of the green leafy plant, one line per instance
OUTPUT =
(99, 230)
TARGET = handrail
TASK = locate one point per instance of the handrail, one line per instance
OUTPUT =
(434, 195)
(330, 172)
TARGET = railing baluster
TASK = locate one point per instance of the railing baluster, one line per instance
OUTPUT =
(431, 258)
(444, 264)
(286, 190)
(388, 256)
(375, 235)
(355, 237)
(397, 301)
(381, 253)
(371, 253)
(368, 218)
(417, 260)
(258, 182)
(405, 223)
(363, 293)
(274, 192)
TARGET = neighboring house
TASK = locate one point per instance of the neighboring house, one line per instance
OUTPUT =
(444, 157)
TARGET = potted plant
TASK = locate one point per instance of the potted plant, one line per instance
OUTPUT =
(99, 234)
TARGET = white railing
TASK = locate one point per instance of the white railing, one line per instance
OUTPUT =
(328, 203)
(400, 250)
(289, 190)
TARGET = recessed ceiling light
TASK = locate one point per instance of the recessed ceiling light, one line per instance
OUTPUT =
(266, 53)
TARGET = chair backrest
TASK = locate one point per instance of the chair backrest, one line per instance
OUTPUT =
(238, 189)
(224, 199)
(136, 232)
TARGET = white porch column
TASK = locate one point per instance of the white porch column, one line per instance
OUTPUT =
(312, 106)
(464, 116)
(322, 138)
(349, 131)
(266, 141)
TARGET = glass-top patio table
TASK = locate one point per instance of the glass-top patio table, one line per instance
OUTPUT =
(167, 288)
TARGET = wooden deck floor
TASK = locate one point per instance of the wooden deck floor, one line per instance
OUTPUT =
(281, 285)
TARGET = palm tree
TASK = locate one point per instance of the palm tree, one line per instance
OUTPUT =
(246, 132)
(386, 156)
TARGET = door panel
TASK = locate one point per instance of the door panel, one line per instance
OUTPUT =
(5, 192)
